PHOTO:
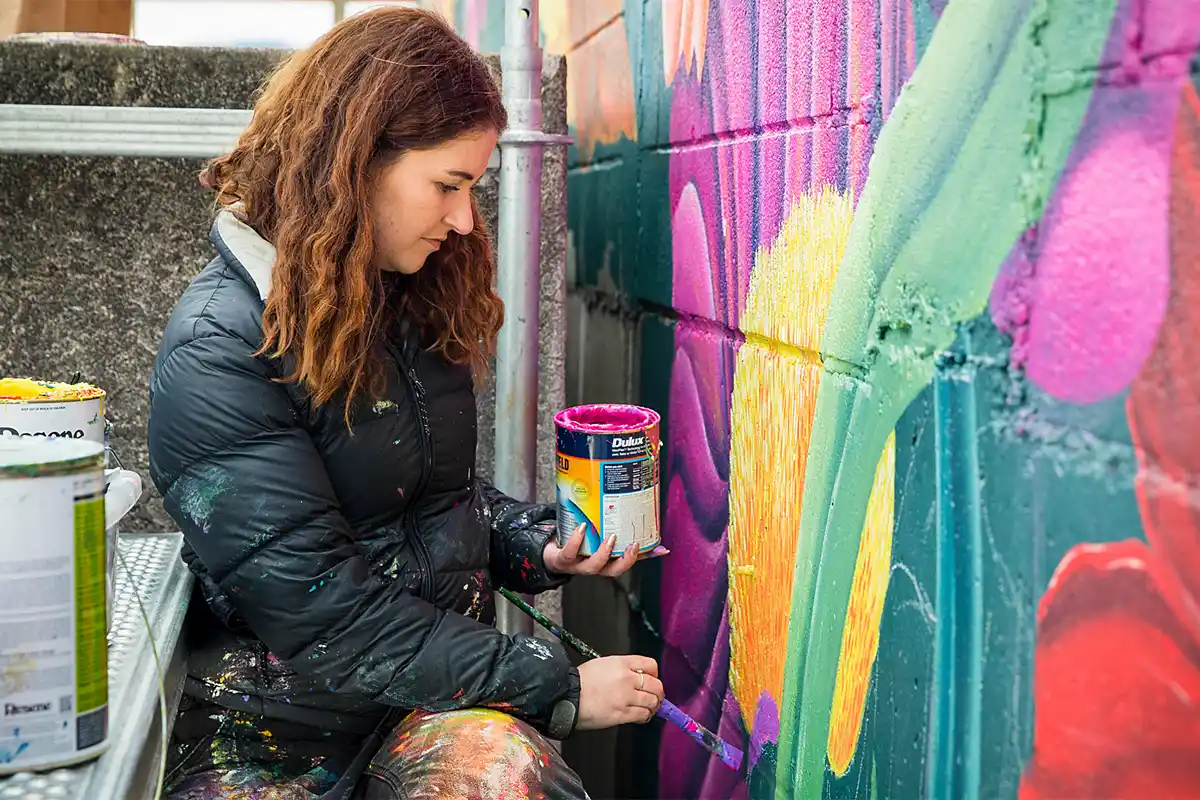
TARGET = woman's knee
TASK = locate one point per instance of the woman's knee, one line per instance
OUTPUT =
(468, 753)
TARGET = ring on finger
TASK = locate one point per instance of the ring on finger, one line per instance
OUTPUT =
(641, 679)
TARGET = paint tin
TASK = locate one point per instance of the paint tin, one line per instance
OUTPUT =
(33, 409)
(37, 409)
(53, 647)
(608, 476)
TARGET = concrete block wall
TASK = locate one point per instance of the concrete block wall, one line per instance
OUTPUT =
(914, 283)
(94, 252)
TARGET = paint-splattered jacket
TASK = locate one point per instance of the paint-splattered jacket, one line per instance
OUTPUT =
(344, 574)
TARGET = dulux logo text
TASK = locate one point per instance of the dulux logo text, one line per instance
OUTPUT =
(636, 441)
(75, 434)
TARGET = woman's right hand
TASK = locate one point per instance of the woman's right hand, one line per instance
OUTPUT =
(615, 690)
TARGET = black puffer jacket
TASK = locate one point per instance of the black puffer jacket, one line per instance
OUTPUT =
(344, 573)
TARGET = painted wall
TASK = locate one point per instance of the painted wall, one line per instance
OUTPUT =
(915, 284)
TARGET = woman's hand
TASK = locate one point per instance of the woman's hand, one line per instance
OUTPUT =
(567, 561)
(615, 690)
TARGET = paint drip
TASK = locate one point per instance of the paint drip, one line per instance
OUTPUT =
(54, 660)
(608, 476)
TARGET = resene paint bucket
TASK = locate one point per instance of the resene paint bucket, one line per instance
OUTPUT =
(608, 476)
(53, 646)
(34, 409)
(38, 409)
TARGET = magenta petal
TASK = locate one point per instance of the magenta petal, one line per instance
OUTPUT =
(1170, 26)
(689, 445)
(1101, 277)
(692, 267)
(693, 585)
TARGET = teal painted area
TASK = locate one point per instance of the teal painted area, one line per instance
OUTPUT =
(939, 766)
(643, 22)
(974, 550)
(957, 140)
(622, 248)
(953, 767)
(906, 680)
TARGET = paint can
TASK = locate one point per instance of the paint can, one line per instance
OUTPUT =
(53, 645)
(33, 409)
(37, 409)
(608, 476)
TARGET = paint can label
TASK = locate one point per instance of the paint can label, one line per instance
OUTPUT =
(58, 418)
(610, 482)
(53, 647)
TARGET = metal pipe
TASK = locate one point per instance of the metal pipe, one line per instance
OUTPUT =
(519, 257)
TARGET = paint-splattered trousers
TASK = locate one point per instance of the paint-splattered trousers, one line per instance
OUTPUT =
(475, 754)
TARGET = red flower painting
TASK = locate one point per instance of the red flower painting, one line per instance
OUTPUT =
(1117, 678)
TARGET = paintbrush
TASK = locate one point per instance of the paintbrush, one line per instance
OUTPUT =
(729, 755)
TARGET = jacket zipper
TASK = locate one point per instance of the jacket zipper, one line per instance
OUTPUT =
(417, 395)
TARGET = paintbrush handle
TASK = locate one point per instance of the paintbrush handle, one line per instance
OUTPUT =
(668, 711)
(550, 625)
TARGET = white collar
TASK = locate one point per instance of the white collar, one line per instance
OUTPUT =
(254, 253)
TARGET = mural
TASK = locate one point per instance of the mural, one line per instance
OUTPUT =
(933, 419)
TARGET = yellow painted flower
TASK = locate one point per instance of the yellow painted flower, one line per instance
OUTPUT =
(774, 399)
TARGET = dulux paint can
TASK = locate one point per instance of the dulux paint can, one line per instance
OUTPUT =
(53, 644)
(607, 459)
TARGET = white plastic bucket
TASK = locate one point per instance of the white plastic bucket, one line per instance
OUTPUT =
(124, 489)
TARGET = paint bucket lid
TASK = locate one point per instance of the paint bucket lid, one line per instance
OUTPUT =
(29, 390)
(29, 457)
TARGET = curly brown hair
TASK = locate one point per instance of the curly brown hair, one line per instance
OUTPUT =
(375, 86)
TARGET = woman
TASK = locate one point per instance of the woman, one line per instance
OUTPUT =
(312, 431)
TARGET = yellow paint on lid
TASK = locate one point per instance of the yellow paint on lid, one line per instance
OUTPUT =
(27, 390)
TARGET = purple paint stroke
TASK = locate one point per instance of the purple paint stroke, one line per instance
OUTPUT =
(861, 86)
(766, 726)
(729, 755)
(1084, 293)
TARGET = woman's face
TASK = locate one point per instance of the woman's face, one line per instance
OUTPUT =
(422, 196)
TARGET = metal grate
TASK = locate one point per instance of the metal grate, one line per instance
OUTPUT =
(164, 584)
